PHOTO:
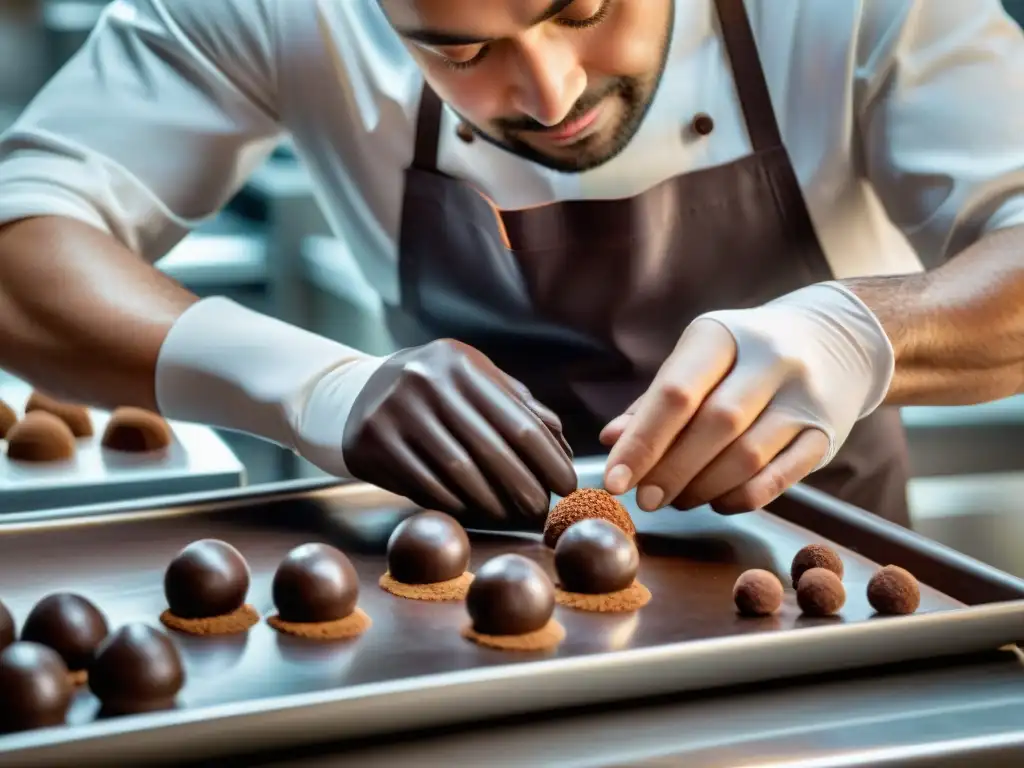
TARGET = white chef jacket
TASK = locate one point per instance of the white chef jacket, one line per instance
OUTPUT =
(904, 119)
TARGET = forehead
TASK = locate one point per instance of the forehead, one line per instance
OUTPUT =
(487, 18)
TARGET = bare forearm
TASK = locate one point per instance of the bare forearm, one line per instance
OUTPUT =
(958, 331)
(81, 316)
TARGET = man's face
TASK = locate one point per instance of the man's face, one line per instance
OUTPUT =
(564, 83)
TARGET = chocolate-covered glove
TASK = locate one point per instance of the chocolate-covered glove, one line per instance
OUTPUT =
(439, 424)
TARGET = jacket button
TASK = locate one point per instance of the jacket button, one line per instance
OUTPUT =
(702, 124)
(465, 133)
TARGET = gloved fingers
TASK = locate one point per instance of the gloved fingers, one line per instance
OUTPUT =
(791, 466)
(705, 354)
(528, 436)
(722, 419)
(742, 460)
(541, 411)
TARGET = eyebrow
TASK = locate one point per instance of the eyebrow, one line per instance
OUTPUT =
(441, 38)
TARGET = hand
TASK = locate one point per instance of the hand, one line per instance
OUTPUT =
(443, 426)
(750, 402)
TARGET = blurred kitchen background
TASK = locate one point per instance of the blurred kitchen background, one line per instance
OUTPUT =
(270, 249)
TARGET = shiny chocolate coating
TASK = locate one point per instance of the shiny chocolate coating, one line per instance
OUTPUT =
(136, 669)
(70, 625)
(34, 688)
(7, 628)
(428, 548)
(595, 557)
(134, 430)
(315, 583)
(510, 595)
(40, 437)
(207, 578)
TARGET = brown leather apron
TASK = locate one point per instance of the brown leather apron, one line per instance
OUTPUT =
(583, 300)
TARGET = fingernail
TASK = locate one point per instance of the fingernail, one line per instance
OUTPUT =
(618, 479)
(649, 497)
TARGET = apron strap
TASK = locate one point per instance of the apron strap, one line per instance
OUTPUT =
(751, 85)
(428, 130)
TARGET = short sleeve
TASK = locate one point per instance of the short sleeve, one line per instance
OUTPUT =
(152, 126)
(941, 119)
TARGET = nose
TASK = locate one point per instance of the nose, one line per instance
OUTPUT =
(549, 78)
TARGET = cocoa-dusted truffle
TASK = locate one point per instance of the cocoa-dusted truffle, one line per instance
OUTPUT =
(7, 629)
(595, 557)
(8, 418)
(815, 556)
(75, 416)
(316, 591)
(137, 669)
(134, 430)
(757, 593)
(70, 625)
(40, 437)
(583, 504)
(894, 591)
(205, 585)
(428, 555)
(34, 688)
(820, 592)
(510, 603)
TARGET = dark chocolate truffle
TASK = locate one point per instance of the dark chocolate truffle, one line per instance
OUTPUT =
(757, 593)
(820, 592)
(134, 430)
(428, 548)
(511, 595)
(584, 504)
(70, 625)
(34, 688)
(137, 669)
(42, 437)
(894, 591)
(207, 578)
(815, 556)
(7, 629)
(75, 416)
(8, 418)
(595, 557)
(315, 583)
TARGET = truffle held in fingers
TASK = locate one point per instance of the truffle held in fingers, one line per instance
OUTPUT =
(75, 416)
(137, 669)
(815, 556)
(72, 626)
(820, 593)
(597, 564)
(510, 605)
(8, 418)
(757, 593)
(316, 591)
(206, 585)
(428, 558)
(894, 591)
(584, 504)
(40, 437)
(134, 430)
(34, 688)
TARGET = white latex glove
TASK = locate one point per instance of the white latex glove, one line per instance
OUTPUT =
(227, 366)
(751, 401)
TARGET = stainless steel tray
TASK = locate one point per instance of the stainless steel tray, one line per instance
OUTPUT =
(412, 669)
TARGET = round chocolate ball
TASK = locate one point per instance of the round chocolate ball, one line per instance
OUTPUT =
(894, 591)
(41, 437)
(584, 504)
(510, 595)
(757, 593)
(70, 625)
(136, 669)
(820, 592)
(595, 557)
(815, 556)
(75, 416)
(428, 548)
(34, 688)
(8, 418)
(7, 629)
(207, 578)
(134, 430)
(315, 583)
